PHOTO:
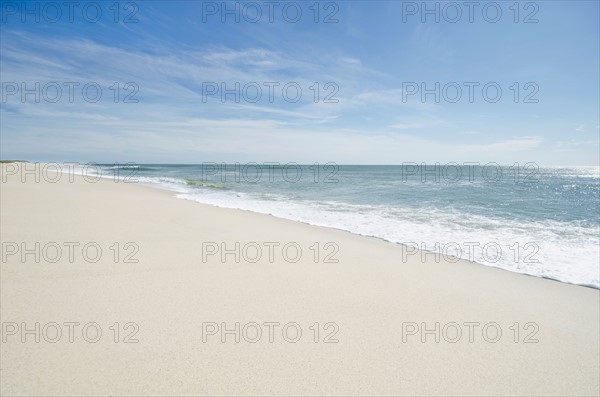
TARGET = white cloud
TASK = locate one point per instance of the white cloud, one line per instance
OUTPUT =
(371, 123)
(512, 145)
(407, 126)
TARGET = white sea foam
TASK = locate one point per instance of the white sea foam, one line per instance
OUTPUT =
(549, 249)
(563, 251)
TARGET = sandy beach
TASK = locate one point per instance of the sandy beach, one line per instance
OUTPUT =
(350, 315)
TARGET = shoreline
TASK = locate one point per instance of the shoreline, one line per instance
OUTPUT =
(383, 240)
(178, 194)
(174, 297)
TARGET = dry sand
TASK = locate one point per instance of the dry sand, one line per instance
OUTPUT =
(370, 297)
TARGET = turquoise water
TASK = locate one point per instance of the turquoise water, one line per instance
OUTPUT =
(524, 218)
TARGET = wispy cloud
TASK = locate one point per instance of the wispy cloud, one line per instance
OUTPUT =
(407, 126)
(512, 145)
(362, 62)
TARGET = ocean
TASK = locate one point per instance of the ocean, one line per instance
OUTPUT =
(540, 221)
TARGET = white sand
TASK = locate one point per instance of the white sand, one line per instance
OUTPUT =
(170, 293)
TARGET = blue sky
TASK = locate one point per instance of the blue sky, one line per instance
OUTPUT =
(372, 54)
